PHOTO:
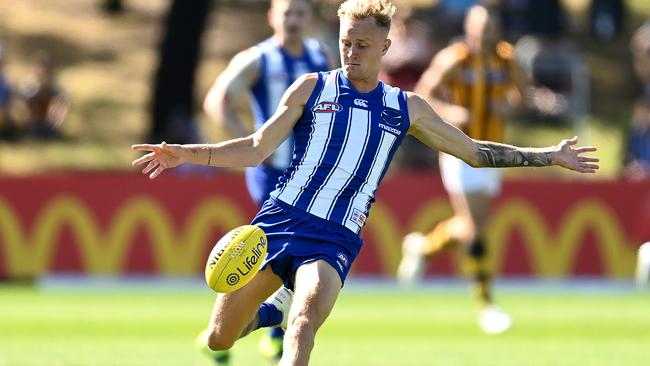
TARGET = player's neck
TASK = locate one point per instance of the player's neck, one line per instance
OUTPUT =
(365, 85)
(293, 46)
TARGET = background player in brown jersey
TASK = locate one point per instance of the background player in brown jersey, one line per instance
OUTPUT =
(473, 83)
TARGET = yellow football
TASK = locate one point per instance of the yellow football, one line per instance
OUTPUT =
(236, 258)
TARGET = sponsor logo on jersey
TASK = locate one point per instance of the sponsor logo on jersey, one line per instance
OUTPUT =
(390, 129)
(391, 117)
(327, 107)
(358, 217)
(361, 102)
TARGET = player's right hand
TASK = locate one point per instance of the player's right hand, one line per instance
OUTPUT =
(160, 157)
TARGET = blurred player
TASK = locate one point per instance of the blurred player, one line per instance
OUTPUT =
(264, 72)
(637, 146)
(347, 126)
(46, 102)
(468, 84)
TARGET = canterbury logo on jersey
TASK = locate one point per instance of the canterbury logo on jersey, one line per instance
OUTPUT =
(327, 107)
(361, 102)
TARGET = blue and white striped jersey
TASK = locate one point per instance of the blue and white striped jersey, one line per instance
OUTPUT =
(278, 70)
(344, 143)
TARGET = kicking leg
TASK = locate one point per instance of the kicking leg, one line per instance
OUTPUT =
(235, 314)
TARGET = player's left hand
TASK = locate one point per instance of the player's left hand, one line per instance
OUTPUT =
(161, 157)
(572, 158)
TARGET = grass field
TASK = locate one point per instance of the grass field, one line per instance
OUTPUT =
(376, 326)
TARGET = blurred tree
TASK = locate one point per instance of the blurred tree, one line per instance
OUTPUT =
(173, 84)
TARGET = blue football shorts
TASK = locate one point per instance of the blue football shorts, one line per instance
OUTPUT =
(296, 237)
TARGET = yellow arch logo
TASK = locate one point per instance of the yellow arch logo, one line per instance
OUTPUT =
(180, 251)
(551, 255)
(554, 255)
(104, 253)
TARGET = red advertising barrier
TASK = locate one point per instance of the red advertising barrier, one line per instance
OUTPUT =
(112, 224)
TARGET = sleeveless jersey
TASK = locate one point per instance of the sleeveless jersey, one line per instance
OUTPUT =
(278, 70)
(344, 143)
(479, 84)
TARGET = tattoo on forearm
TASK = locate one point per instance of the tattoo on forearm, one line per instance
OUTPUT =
(500, 156)
(194, 151)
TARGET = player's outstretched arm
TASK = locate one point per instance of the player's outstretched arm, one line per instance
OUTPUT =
(492, 154)
(246, 151)
(429, 128)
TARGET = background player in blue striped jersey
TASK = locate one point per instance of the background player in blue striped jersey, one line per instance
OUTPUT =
(263, 73)
(347, 125)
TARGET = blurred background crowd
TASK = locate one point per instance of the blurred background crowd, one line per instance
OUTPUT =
(82, 80)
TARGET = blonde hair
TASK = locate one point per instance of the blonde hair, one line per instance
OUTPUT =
(381, 10)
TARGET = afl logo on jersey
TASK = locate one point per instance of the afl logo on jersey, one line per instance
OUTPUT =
(327, 107)
(391, 117)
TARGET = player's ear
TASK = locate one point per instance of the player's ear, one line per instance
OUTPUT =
(387, 44)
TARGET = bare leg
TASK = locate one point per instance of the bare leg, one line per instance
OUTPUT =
(317, 287)
(473, 209)
(233, 312)
(464, 228)
(470, 212)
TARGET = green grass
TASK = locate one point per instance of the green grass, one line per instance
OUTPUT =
(374, 327)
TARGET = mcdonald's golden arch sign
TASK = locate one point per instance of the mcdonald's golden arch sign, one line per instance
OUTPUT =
(117, 224)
